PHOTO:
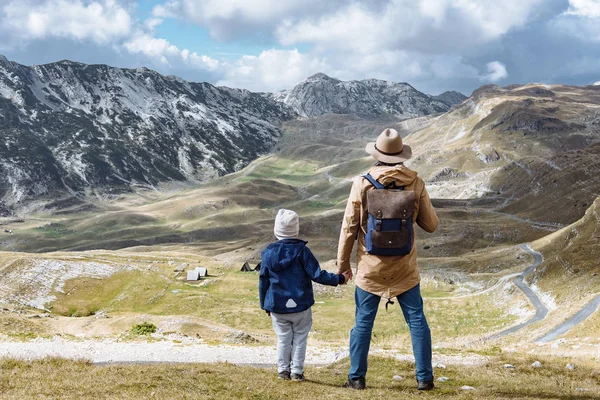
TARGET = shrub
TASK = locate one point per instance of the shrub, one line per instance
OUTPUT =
(145, 328)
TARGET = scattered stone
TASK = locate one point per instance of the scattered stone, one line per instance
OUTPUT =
(43, 315)
(582, 390)
(509, 366)
(175, 291)
(595, 373)
(443, 379)
(536, 364)
(570, 367)
(181, 267)
(467, 388)
(438, 365)
(397, 378)
(101, 314)
(239, 337)
(171, 262)
(426, 247)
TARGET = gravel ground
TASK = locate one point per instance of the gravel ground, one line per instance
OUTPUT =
(107, 351)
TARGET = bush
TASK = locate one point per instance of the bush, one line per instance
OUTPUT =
(145, 328)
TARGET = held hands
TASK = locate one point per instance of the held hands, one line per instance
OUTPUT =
(347, 275)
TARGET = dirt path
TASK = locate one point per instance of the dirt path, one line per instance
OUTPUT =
(540, 310)
(570, 323)
(540, 225)
(495, 286)
(112, 351)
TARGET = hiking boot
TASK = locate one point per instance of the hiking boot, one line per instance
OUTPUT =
(298, 377)
(285, 375)
(425, 385)
(356, 384)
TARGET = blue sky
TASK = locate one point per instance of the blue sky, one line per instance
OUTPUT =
(269, 45)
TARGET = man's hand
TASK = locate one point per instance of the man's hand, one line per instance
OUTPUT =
(268, 313)
(347, 275)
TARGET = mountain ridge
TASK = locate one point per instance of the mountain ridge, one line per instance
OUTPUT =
(71, 127)
(321, 94)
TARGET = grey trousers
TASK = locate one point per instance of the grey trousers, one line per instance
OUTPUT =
(292, 332)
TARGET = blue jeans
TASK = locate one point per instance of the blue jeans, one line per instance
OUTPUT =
(360, 336)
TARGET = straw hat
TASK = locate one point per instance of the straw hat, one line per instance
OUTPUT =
(389, 148)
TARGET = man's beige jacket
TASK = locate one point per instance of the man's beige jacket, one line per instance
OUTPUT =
(385, 276)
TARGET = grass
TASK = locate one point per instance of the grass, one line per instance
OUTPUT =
(230, 299)
(65, 379)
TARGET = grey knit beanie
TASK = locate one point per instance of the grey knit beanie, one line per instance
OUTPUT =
(287, 224)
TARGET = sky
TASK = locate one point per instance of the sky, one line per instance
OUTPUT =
(270, 45)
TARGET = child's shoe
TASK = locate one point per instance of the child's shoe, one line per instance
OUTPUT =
(285, 375)
(297, 377)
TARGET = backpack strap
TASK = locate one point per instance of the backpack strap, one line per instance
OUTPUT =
(378, 185)
(373, 181)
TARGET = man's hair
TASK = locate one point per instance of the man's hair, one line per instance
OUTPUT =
(381, 163)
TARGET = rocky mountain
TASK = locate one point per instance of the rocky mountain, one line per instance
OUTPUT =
(320, 94)
(68, 128)
(534, 148)
(450, 97)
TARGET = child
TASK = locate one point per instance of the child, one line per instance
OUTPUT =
(286, 293)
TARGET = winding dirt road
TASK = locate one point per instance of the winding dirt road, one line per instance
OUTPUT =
(540, 310)
(577, 318)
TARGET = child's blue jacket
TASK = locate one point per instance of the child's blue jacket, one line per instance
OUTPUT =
(286, 271)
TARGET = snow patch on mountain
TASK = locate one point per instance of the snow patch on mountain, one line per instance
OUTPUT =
(67, 127)
(320, 94)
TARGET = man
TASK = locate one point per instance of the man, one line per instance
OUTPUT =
(386, 276)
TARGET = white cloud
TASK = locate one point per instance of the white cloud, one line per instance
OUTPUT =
(496, 71)
(581, 20)
(597, 83)
(430, 26)
(152, 23)
(584, 8)
(99, 21)
(272, 70)
(167, 53)
(347, 22)
(237, 18)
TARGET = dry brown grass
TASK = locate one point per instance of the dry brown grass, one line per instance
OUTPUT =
(58, 378)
